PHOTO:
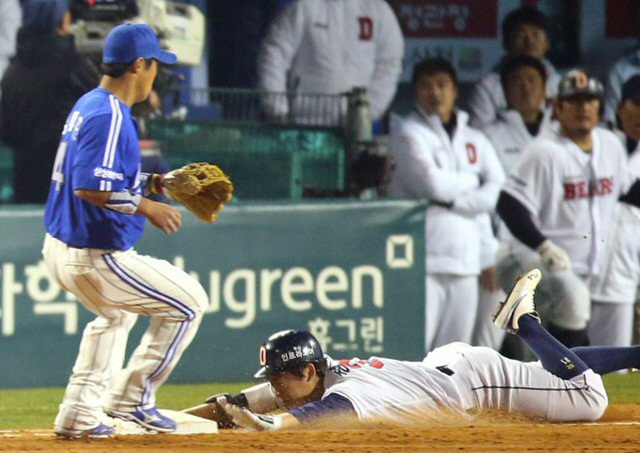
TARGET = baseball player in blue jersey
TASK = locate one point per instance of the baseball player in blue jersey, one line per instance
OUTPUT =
(95, 214)
(456, 379)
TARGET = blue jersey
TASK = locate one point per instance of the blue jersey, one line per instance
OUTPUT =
(99, 150)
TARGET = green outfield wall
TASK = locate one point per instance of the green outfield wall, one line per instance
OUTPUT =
(350, 272)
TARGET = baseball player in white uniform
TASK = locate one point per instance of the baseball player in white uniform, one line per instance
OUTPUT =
(558, 202)
(330, 47)
(614, 289)
(455, 379)
(95, 213)
(438, 157)
(523, 80)
(524, 32)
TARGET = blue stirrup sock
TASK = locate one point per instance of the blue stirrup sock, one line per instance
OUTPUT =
(555, 357)
(607, 359)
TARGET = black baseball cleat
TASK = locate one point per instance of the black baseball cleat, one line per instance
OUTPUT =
(519, 302)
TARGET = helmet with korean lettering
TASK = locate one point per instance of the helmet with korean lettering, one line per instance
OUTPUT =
(290, 350)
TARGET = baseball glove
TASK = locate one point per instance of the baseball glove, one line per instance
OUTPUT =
(201, 187)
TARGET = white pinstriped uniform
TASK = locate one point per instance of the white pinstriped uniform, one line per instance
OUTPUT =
(89, 252)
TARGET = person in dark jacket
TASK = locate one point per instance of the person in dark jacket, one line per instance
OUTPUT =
(39, 87)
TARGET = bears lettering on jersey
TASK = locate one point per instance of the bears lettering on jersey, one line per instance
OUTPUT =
(582, 189)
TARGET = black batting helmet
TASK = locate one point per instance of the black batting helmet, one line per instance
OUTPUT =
(288, 350)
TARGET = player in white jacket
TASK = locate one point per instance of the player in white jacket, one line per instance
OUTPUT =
(524, 32)
(438, 157)
(614, 289)
(558, 204)
(330, 47)
(523, 80)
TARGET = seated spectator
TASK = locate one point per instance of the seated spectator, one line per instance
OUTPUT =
(525, 31)
(39, 88)
(330, 47)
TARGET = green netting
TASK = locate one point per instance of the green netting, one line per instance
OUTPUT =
(264, 161)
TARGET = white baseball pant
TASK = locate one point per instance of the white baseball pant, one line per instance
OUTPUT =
(117, 286)
(490, 381)
(451, 305)
(485, 332)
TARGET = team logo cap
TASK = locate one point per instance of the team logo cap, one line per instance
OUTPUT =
(128, 42)
(577, 82)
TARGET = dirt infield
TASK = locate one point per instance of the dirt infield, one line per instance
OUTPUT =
(618, 431)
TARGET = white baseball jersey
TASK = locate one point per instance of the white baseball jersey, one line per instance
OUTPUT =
(620, 274)
(509, 135)
(614, 289)
(430, 165)
(461, 380)
(571, 194)
(621, 71)
(488, 98)
(332, 46)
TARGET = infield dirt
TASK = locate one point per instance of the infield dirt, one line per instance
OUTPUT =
(617, 431)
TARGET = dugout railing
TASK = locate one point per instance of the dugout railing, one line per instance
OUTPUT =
(273, 145)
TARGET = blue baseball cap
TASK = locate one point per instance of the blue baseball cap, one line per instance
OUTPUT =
(43, 15)
(128, 42)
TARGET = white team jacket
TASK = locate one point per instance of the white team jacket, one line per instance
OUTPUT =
(331, 46)
(488, 97)
(571, 194)
(464, 171)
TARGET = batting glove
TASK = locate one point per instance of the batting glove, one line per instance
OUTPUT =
(247, 419)
(553, 257)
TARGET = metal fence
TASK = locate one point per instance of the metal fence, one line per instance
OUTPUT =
(274, 145)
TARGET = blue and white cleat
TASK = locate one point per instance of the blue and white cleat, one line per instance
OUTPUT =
(519, 302)
(149, 418)
(101, 431)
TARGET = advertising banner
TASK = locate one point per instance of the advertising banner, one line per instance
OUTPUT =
(352, 273)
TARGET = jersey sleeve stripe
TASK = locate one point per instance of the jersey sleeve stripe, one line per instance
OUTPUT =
(114, 145)
(114, 133)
